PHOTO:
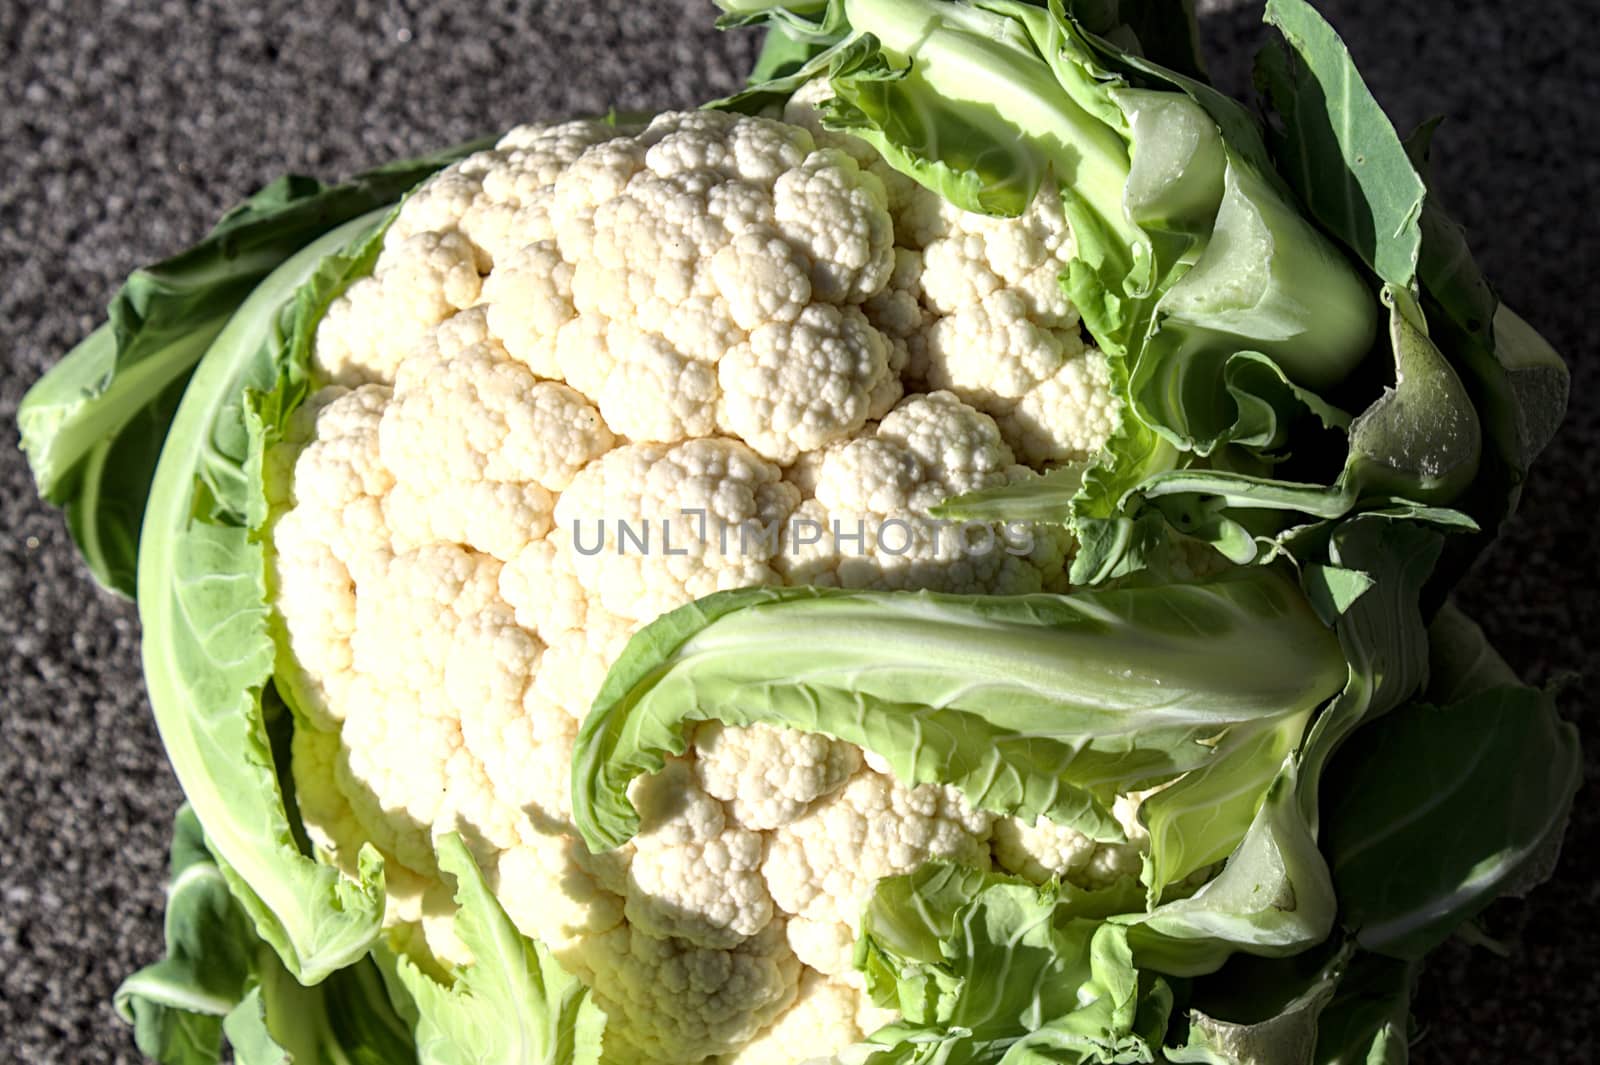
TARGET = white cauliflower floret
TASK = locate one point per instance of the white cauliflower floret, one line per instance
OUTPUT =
(552, 891)
(524, 741)
(652, 527)
(674, 1003)
(999, 331)
(1043, 849)
(822, 867)
(339, 477)
(958, 447)
(577, 661)
(867, 524)
(645, 385)
(969, 256)
(477, 415)
(769, 776)
(334, 533)
(477, 445)
(1067, 418)
(795, 386)
(527, 300)
(408, 616)
(396, 765)
(338, 834)
(803, 109)
(990, 353)
(497, 518)
(763, 278)
(694, 876)
(317, 602)
(839, 217)
(581, 637)
(828, 1012)
(500, 198)
(404, 764)
(902, 319)
(400, 766)
(709, 235)
(381, 320)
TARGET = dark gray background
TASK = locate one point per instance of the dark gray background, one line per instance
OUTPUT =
(126, 128)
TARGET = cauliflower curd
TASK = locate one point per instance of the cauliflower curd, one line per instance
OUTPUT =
(597, 373)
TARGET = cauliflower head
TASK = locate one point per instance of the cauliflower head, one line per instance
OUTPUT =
(598, 372)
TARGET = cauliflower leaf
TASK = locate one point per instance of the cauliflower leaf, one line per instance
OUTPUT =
(514, 1004)
(1031, 705)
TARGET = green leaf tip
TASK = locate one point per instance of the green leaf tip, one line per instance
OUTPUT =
(1422, 440)
(1354, 171)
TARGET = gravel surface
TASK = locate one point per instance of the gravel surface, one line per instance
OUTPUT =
(126, 128)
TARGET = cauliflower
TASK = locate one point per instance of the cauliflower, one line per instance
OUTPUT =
(555, 610)
(822, 867)
(694, 876)
(826, 1013)
(598, 373)
(1039, 850)
(768, 776)
(865, 525)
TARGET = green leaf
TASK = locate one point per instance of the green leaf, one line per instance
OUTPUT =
(1337, 147)
(1446, 267)
(1200, 819)
(899, 950)
(1248, 492)
(1035, 704)
(1368, 1021)
(1381, 632)
(1170, 135)
(1257, 1011)
(220, 979)
(1537, 381)
(1517, 378)
(1334, 590)
(177, 1004)
(1332, 1005)
(249, 1035)
(514, 1005)
(1037, 499)
(1249, 290)
(1369, 189)
(1460, 658)
(1272, 898)
(960, 99)
(93, 426)
(1422, 439)
(781, 56)
(1163, 31)
(1268, 405)
(1522, 386)
(990, 969)
(1482, 787)
(348, 1019)
(208, 652)
(1107, 533)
